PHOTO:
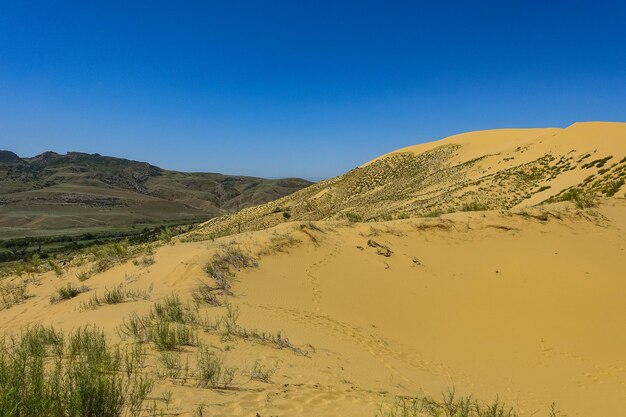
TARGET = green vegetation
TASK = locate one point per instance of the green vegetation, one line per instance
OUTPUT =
(169, 325)
(211, 371)
(116, 295)
(12, 293)
(598, 163)
(45, 247)
(353, 217)
(434, 213)
(581, 198)
(221, 266)
(77, 193)
(67, 292)
(611, 188)
(228, 327)
(474, 206)
(45, 373)
(144, 261)
(279, 243)
(173, 365)
(262, 373)
(450, 405)
(204, 293)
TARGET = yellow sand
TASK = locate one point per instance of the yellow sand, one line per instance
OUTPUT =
(492, 304)
(528, 305)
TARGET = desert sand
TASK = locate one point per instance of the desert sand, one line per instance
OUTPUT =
(525, 302)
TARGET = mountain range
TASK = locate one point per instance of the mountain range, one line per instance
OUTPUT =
(53, 192)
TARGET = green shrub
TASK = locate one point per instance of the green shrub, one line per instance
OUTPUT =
(169, 325)
(54, 267)
(434, 213)
(144, 262)
(211, 371)
(262, 373)
(450, 405)
(219, 267)
(581, 198)
(170, 336)
(204, 293)
(108, 255)
(42, 373)
(83, 275)
(613, 187)
(353, 217)
(228, 327)
(67, 292)
(474, 206)
(173, 365)
(115, 295)
(12, 293)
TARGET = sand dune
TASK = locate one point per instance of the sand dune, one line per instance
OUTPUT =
(495, 169)
(524, 303)
(494, 304)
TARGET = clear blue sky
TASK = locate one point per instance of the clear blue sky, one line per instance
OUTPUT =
(295, 88)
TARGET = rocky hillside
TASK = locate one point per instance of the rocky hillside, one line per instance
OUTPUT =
(494, 169)
(78, 190)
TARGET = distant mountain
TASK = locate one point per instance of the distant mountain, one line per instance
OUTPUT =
(53, 192)
(491, 169)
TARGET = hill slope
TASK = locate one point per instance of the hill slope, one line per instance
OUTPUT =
(524, 307)
(332, 318)
(493, 169)
(53, 192)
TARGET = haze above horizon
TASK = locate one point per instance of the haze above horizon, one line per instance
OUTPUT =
(279, 89)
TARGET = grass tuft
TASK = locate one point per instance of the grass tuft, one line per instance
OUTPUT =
(581, 198)
(116, 295)
(169, 325)
(450, 405)
(221, 266)
(212, 372)
(44, 373)
(474, 206)
(67, 292)
(12, 293)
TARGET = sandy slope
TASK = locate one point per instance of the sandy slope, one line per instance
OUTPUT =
(525, 305)
(498, 169)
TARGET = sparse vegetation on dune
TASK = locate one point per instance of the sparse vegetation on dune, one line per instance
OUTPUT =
(474, 206)
(44, 372)
(450, 405)
(279, 243)
(212, 372)
(193, 341)
(221, 266)
(228, 327)
(67, 292)
(169, 325)
(580, 198)
(206, 294)
(116, 295)
(13, 292)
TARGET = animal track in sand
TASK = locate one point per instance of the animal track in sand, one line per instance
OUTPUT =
(294, 399)
(379, 347)
(311, 273)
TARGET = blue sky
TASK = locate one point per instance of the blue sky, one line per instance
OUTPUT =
(293, 88)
